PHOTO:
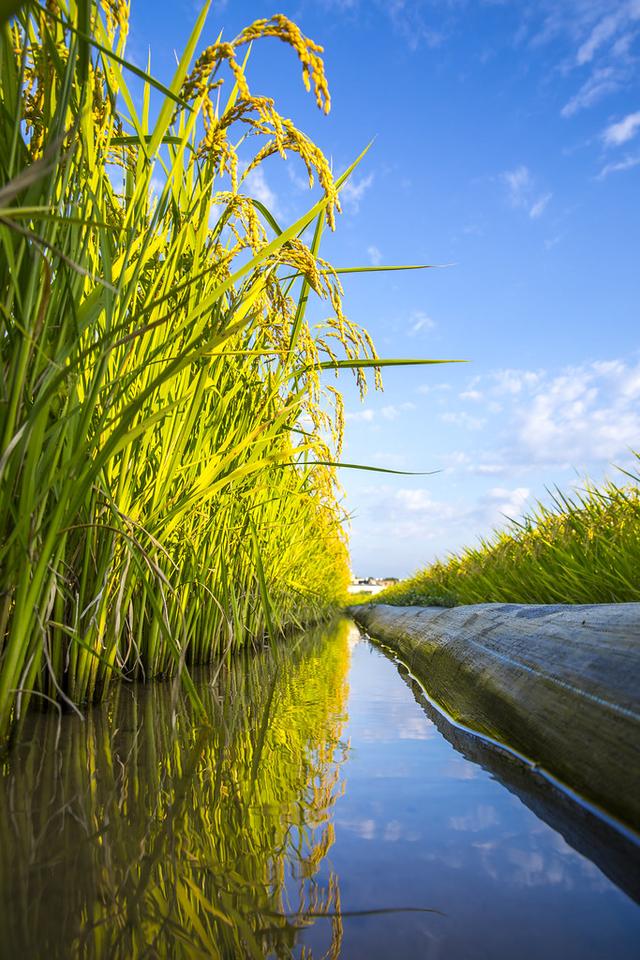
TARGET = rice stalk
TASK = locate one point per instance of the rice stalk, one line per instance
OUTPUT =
(167, 448)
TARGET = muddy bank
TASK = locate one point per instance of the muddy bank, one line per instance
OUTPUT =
(557, 683)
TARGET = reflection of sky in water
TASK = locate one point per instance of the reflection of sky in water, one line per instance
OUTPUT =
(419, 825)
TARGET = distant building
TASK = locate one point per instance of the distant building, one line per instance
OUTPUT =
(370, 584)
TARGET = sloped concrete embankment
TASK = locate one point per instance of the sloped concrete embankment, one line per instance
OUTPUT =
(560, 684)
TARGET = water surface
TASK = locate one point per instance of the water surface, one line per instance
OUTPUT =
(321, 793)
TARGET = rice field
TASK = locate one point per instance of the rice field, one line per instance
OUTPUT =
(583, 548)
(168, 488)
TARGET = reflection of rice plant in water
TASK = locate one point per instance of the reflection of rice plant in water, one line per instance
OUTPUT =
(582, 549)
(134, 839)
(166, 446)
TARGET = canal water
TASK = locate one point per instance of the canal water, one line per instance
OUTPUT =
(326, 810)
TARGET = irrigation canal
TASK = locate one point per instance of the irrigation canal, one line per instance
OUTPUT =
(327, 811)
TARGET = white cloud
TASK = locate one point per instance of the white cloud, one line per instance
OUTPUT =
(507, 503)
(595, 28)
(619, 166)
(604, 30)
(583, 414)
(375, 255)
(591, 41)
(477, 465)
(622, 131)
(390, 459)
(578, 417)
(419, 321)
(364, 416)
(461, 419)
(521, 190)
(411, 515)
(513, 381)
(392, 412)
(552, 425)
(388, 412)
(459, 458)
(437, 388)
(299, 181)
(602, 82)
(353, 191)
(519, 183)
(255, 185)
(622, 46)
(438, 391)
(409, 21)
(487, 469)
(216, 210)
(583, 417)
(418, 501)
(537, 208)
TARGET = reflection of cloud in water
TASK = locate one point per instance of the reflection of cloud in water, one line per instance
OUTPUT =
(460, 769)
(561, 845)
(530, 868)
(395, 830)
(365, 829)
(388, 723)
(522, 861)
(479, 819)
(416, 728)
(368, 829)
(455, 859)
(586, 867)
(354, 637)
(487, 858)
(549, 861)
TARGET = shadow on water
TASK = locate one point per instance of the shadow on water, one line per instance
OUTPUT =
(614, 851)
(134, 833)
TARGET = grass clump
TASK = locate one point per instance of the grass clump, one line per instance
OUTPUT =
(167, 488)
(583, 548)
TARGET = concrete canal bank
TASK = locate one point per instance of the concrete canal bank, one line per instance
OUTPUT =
(557, 683)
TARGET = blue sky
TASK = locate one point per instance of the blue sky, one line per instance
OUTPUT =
(507, 143)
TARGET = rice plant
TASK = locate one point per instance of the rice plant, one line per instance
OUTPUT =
(167, 449)
(583, 548)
